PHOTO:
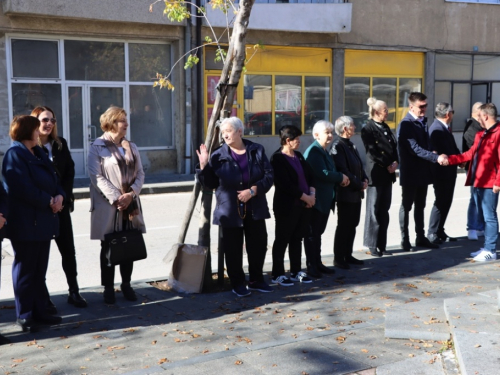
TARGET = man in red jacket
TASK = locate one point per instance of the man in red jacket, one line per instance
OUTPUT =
(484, 176)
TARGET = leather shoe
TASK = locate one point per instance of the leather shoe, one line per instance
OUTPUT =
(445, 238)
(374, 252)
(435, 239)
(51, 308)
(352, 260)
(128, 292)
(406, 246)
(48, 319)
(27, 325)
(324, 269)
(74, 298)
(424, 242)
(341, 264)
(386, 253)
(109, 295)
(313, 272)
(4, 340)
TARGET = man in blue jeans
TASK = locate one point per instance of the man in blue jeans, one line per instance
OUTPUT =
(484, 176)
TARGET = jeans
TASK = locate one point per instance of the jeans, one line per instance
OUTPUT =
(486, 202)
(474, 221)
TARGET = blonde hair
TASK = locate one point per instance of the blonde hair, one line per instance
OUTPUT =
(373, 106)
(109, 118)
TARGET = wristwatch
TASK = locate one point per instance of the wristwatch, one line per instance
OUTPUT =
(133, 195)
(252, 193)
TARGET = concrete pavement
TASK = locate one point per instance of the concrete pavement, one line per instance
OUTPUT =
(340, 324)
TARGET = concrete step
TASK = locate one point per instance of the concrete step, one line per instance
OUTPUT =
(424, 320)
(475, 326)
(425, 364)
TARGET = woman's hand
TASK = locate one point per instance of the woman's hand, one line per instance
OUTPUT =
(2, 221)
(309, 200)
(245, 195)
(124, 201)
(392, 168)
(56, 203)
(202, 156)
(345, 181)
(365, 184)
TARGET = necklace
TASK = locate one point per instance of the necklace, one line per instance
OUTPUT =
(244, 206)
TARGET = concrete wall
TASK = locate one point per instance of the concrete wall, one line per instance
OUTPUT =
(424, 24)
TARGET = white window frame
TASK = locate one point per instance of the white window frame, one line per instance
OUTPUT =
(64, 83)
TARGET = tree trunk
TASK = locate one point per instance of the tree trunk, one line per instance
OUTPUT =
(230, 77)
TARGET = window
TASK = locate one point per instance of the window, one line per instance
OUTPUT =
(475, 1)
(35, 58)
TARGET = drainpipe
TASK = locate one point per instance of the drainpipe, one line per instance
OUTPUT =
(188, 108)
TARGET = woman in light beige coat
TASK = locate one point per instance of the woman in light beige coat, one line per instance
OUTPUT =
(116, 177)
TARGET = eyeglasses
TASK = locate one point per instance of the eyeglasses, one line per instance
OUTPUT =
(46, 119)
(422, 106)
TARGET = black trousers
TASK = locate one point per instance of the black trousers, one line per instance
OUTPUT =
(348, 215)
(412, 195)
(290, 229)
(231, 243)
(108, 272)
(378, 203)
(66, 244)
(443, 191)
(312, 242)
(31, 259)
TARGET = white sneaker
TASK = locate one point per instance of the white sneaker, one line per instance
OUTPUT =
(485, 256)
(300, 277)
(476, 253)
(472, 235)
(480, 233)
(282, 280)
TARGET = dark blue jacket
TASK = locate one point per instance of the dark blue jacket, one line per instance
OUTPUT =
(415, 156)
(443, 142)
(30, 181)
(223, 173)
(3, 209)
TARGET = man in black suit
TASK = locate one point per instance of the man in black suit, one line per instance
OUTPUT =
(415, 158)
(444, 178)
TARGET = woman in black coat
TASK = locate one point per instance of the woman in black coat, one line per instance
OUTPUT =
(57, 150)
(381, 164)
(349, 197)
(294, 196)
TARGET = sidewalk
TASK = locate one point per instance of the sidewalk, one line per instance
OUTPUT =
(336, 325)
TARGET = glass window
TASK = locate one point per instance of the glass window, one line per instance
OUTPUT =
(357, 92)
(145, 60)
(461, 105)
(75, 104)
(27, 96)
(287, 101)
(317, 97)
(385, 89)
(150, 116)
(101, 98)
(486, 68)
(258, 109)
(210, 56)
(407, 86)
(94, 61)
(495, 93)
(35, 59)
(453, 66)
(442, 92)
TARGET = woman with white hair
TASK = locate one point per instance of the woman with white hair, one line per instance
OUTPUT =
(381, 164)
(242, 175)
(326, 178)
(349, 198)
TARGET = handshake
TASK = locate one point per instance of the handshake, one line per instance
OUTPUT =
(443, 160)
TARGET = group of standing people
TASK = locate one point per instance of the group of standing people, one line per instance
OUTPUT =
(36, 200)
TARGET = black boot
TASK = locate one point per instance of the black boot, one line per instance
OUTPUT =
(75, 299)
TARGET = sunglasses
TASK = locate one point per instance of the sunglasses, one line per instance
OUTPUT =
(422, 106)
(46, 119)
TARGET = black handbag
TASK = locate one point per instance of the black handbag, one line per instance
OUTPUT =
(125, 246)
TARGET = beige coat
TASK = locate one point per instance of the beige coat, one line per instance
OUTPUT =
(105, 182)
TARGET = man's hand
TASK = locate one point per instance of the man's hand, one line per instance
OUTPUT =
(443, 160)
(496, 189)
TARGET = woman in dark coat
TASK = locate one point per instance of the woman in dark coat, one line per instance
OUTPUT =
(294, 196)
(242, 175)
(35, 198)
(3, 218)
(381, 164)
(349, 197)
(57, 150)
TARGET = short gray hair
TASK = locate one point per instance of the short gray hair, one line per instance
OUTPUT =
(476, 106)
(320, 126)
(235, 122)
(341, 123)
(442, 109)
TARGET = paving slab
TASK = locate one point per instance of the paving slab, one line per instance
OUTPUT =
(420, 365)
(425, 320)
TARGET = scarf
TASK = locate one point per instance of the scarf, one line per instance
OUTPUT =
(126, 164)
